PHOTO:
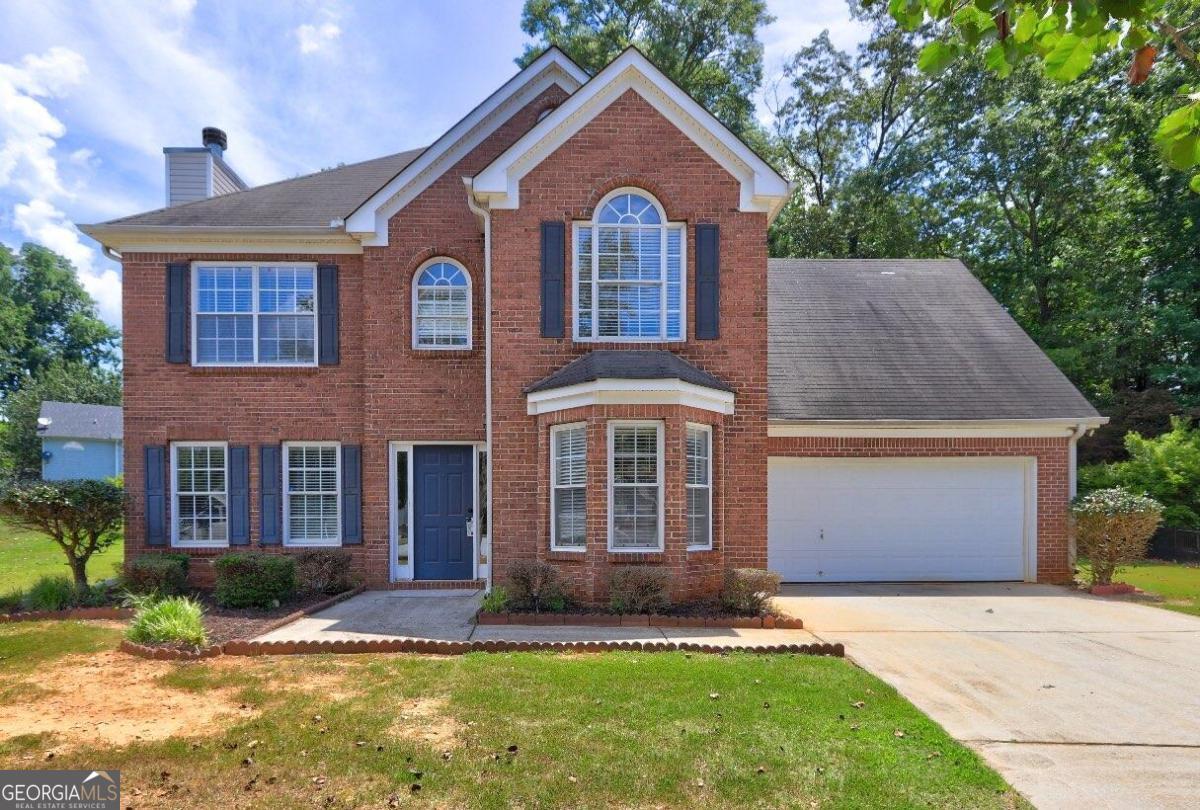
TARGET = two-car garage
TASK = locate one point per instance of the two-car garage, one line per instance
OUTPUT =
(902, 519)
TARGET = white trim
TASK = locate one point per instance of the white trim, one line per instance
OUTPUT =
(949, 429)
(709, 486)
(553, 478)
(254, 313)
(607, 391)
(470, 307)
(659, 430)
(287, 540)
(553, 67)
(197, 239)
(174, 483)
(762, 188)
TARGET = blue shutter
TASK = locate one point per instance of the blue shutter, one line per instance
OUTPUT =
(351, 495)
(155, 475)
(270, 505)
(708, 282)
(328, 350)
(177, 313)
(554, 249)
(239, 496)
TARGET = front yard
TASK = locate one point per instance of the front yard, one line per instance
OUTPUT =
(25, 556)
(482, 730)
(1177, 583)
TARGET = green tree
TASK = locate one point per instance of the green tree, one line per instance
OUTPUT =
(46, 317)
(709, 47)
(20, 444)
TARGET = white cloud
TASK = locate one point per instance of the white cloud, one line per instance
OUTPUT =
(314, 38)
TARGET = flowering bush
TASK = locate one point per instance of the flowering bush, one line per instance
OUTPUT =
(1112, 528)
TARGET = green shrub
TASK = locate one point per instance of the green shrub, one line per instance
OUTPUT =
(748, 591)
(323, 570)
(1113, 528)
(51, 593)
(535, 585)
(495, 600)
(163, 574)
(639, 589)
(176, 619)
(251, 579)
(12, 601)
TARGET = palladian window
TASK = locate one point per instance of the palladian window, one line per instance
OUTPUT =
(442, 306)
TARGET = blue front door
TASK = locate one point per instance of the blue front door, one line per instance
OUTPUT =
(443, 492)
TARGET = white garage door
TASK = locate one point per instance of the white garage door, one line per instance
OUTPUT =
(895, 520)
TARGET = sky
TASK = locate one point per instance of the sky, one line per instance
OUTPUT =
(91, 92)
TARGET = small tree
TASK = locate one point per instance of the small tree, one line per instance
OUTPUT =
(1112, 528)
(81, 516)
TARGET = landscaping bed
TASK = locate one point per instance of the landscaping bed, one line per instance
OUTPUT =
(226, 624)
(687, 615)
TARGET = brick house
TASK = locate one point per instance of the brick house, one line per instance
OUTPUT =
(555, 333)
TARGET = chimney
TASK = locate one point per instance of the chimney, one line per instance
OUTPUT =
(199, 172)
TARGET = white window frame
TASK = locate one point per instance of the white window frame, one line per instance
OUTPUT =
(254, 313)
(554, 485)
(709, 486)
(470, 306)
(594, 224)
(287, 496)
(612, 430)
(175, 541)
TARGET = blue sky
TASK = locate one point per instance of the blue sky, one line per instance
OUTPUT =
(90, 93)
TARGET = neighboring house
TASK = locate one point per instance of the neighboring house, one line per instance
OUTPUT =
(555, 333)
(80, 441)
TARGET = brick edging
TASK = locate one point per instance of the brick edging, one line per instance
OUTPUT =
(72, 613)
(317, 607)
(768, 622)
(432, 647)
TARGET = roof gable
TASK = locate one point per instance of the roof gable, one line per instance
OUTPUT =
(75, 420)
(762, 188)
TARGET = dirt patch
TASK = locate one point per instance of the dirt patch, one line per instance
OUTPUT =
(424, 720)
(115, 699)
(333, 684)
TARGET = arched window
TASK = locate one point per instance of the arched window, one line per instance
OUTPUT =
(442, 306)
(629, 274)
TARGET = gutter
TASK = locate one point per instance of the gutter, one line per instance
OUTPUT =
(485, 219)
(1082, 429)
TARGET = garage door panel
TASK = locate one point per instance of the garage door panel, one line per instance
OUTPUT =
(897, 519)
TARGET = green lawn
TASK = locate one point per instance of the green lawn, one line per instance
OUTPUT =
(1177, 583)
(26, 556)
(504, 730)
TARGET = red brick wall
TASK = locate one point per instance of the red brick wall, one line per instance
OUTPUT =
(629, 144)
(1053, 458)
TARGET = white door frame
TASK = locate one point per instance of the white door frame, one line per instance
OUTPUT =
(404, 573)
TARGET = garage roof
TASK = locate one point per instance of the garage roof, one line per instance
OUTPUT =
(899, 339)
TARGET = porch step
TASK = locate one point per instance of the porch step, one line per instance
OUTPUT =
(438, 585)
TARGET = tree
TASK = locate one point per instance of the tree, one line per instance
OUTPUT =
(81, 517)
(709, 47)
(46, 317)
(20, 444)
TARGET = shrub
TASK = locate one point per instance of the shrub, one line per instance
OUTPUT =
(251, 579)
(495, 600)
(176, 619)
(535, 585)
(12, 601)
(323, 570)
(1112, 528)
(163, 574)
(639, 589)
(748, 590)
(51, 593)
(81, 516)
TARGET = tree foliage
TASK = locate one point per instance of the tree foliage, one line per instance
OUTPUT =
(1166, 467)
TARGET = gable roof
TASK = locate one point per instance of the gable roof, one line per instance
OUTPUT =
(762, 188)
(897, 339)
(624, 364)
(73, 420)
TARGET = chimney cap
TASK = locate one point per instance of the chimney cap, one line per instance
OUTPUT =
(211, 136)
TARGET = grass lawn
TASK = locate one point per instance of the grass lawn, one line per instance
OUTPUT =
(1177, 583)
(26, 556)
(482, 730)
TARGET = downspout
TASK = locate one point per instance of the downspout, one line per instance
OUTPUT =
(485, 218)
(1072, 483)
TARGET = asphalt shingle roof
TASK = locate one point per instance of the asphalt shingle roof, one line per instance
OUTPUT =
(622, 364)
(72, 420)
(309, 201)
(902, 339)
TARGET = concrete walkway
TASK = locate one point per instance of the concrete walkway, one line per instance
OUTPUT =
(1078, 701)
(447, 615)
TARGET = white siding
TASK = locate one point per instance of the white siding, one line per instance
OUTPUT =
(188, 176)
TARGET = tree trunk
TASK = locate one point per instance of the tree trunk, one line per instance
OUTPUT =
(79, 570)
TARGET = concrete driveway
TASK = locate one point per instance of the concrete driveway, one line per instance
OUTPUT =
(1077, 701)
